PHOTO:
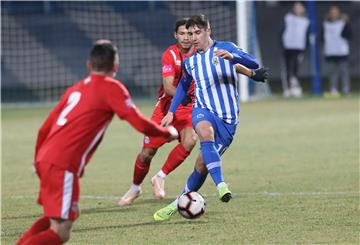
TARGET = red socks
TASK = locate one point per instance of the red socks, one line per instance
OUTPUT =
(140, 171)
(40, 225)
(40, 234)
(175, 158)
(48, 237)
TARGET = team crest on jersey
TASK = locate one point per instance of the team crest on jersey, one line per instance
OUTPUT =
(167, 68)
(215, 60)
(200, 115)
(146, 140)
(74, 207)
(129, 103)
(178, 62)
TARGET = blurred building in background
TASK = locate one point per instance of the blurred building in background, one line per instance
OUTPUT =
(44, 45)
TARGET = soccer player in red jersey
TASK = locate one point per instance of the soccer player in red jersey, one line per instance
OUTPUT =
(172, 60)
(69, 137)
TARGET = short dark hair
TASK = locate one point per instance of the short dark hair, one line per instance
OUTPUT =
(103, 56)
(180, 22)
(200, 21)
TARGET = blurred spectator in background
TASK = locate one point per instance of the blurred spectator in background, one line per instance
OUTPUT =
(336, 34)
(294, 36)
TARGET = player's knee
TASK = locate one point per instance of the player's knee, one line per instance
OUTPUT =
(189, 142)
(205, 132)
(65, 236)
(147, 154)
(62, 228)
(206, 135)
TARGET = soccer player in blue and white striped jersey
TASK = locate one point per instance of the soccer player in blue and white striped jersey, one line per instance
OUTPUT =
(216, 107)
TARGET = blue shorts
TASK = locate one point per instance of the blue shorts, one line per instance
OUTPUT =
(224, 132)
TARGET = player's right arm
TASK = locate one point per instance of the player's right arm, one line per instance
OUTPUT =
(168, 73)
(169, 88)
(118, 98)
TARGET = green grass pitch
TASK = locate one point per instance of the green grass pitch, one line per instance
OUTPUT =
(293, 167)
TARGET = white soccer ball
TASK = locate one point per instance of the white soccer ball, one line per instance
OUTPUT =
(191, 205)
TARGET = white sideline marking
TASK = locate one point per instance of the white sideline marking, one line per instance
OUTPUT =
(270, 194)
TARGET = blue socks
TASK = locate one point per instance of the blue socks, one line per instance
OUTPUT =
(195, 181)
(212, 161)
(213, 164)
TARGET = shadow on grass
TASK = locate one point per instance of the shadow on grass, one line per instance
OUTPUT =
(164, 201)
(152, 223)
(109, 208)
(120, 226)
(113, 208)
(130, 208)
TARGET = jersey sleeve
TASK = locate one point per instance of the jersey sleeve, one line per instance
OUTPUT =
(241, 57)
(138, 121)
(168, 64)
(118, 99)
(120, 102)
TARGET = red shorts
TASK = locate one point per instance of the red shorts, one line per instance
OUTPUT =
(182, 119)
(59, 192)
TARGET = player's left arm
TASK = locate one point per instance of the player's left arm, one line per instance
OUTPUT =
(260, 75)
(168, 85)
(237, 56)
(119, 100)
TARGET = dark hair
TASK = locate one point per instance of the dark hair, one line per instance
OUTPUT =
(103, 56)
(200, 21)
(180, 22)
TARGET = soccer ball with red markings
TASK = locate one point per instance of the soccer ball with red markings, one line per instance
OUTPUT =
(191, 205)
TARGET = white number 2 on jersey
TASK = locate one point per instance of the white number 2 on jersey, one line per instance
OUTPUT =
(73, 99)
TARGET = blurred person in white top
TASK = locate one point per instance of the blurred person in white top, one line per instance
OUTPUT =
(294, 36)
(336, 33)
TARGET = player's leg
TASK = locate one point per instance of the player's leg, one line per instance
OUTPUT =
(141, 168)
(174, 159)
(181, 151)
(59, 196)
(215, 137)
(39, 225)
(143, 161)
(197, 177)
(58, 233)
(211, 157)
(142, 164)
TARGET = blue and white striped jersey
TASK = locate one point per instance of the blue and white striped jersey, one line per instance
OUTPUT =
(216, 81)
